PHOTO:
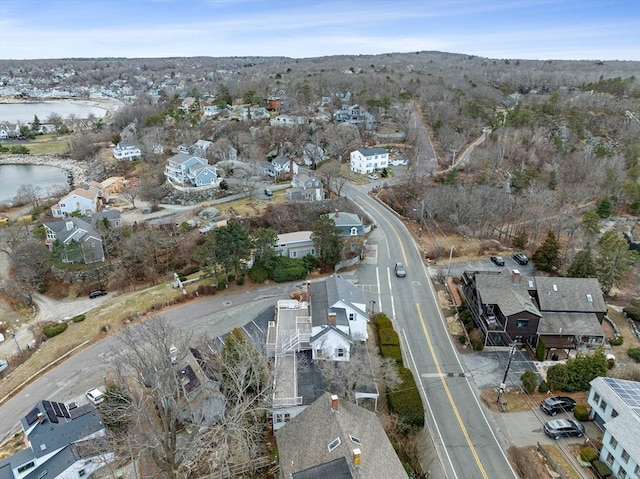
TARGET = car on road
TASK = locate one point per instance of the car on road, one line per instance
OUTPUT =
(95, 396)
(558, 428)
(401, 271)
(556, 404)
(97, 293)
(373, 176)
(520, 258)
(268, 192)
(497, 260)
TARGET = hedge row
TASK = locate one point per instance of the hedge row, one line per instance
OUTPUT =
(404, 400)
(53, 329)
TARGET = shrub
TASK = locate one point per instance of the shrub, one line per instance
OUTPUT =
(634, 353)
(78, 319)
(405, 400)
(581, 412)
(258, 274)
(529, 381)
(240, 281)
(53, 329)
(388, 336)
(462, 338)
(611, 363)
(392, 351)
(206, 290)
(222, 285)
(588, 454)
(382, 321)
(477, 345)
(543, 387)
(601, 468)
(557, 377)
(288, 269)
(616, 341)
(541, 350)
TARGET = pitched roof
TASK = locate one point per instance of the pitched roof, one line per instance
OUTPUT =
(81, 230)
(342, 219)
(90, 193)
(326, 294)
(336, 469)
(570, 294)
(185, 159)
(111, 215)
(512, 297)
(303, 442)
(372, 151)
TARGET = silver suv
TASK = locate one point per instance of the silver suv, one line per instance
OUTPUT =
(401, 271)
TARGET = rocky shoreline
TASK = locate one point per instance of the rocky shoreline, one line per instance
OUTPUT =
(77, 169)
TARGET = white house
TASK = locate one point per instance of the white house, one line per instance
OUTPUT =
(62, 442)
(287, 120)
(282, 165)
(615, 408)
(126, 151)
(305, 187)
(295, 245)
(369, 160)
(85, 200)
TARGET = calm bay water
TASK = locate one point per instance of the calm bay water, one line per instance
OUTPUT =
(24, 112)
(47, 178)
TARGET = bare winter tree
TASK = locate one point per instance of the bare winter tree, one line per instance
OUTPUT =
(130, 193)
(329, 172)
(164, 421)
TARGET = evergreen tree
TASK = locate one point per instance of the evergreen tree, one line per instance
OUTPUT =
(547, 256)
(326, 240)
(582, 265)
(520, 239)
(614, 260)
(35, 124)
(265, 254)
(603, 208)
(591, 223)
(231, 246)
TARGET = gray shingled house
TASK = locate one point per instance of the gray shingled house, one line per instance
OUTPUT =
(334, 438)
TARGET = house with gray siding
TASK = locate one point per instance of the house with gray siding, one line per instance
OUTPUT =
(75, 240)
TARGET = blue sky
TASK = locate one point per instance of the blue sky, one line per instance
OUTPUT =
(526, 29)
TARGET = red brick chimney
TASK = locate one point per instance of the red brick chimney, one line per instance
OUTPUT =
(334, 403)
(332, 319)
(515, 276)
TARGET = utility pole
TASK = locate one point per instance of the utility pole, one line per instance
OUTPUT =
(503, 384)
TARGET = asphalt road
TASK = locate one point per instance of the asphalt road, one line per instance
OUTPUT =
(465, 443)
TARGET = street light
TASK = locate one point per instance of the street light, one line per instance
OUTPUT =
(450, 255)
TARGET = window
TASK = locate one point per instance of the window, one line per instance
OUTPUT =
(522, 323)
(613, 442)
(625, 456)
(82, 473)
(609, 458)
(596, 398)
(614, 413)
(42, 474)
(354, 231)
(622, 474)
(333, 444)
(355, 440)
(352, 317)
(26, 466)
(637, 470)
(319, 353)
(603, 404)
(340, 353)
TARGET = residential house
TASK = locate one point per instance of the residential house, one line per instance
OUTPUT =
(323, 326)
(615, 408)
(305, 187)
(188, 104)
(351, 231)
(185, 169)
(287, 120)
(126, 151)
(201, 149)
(112, 217)
(565, 313)
(212, 110)
(368, 160)
(334, 438)
(268, 169)
(283, 165)
(223, 150)
(248, 113)
(5, 132)
(76, 240)
(85, 200)
(312, 154)
(273, 104)
(355, 115)
(295, 245)
(62, 441)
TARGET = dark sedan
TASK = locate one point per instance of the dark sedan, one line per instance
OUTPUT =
(554, 405)
(558, 428)
(497, 260)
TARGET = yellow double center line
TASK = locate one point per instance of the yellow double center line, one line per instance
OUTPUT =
(448, 392)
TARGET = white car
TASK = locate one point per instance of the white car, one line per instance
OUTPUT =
(95, 396)
(373, 177)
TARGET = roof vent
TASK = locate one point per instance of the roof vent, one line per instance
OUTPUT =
(555, 288)
(589, 298)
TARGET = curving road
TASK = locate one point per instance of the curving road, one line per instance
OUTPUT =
(466, 445)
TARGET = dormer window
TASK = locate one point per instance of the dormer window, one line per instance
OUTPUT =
(333, 444)
(355, 440)
(354, 231)
(589, 298)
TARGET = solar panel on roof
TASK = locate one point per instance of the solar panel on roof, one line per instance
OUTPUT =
(49, 410)
(56, 409)
(32, 416)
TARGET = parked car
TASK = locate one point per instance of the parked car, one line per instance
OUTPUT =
(373, 176)
(97, 293)
(558, 428)
(401, 271)
(554, 405)
(497, 260)
(268, 192)
(520, 258)
(95, 396)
